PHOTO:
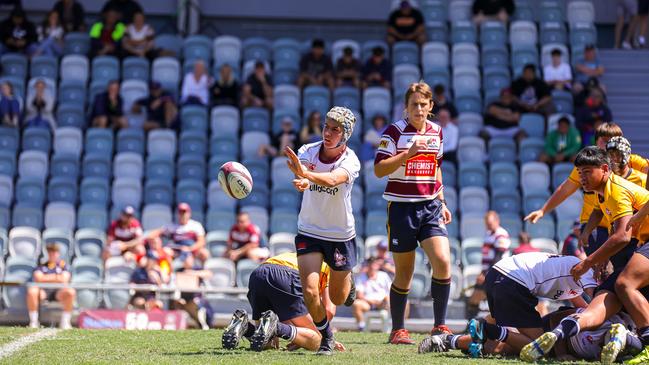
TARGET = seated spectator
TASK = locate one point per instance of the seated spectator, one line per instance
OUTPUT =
(532, 94)
(592, 114)
(186, 239)
(348, 69)
(50, 36)
(440, 101)
(377, 70)
(571, 246)
(406, 24)
(258, 89)
(160, 107)
(372, 292)
(312, 130)
(524, 244)
(451, 134)
(502, 117)
(54, 270)
(71, 14)
(384, 258)
(124, 237)
(138, 39)
(287, 137)
(148, 272)
(106, 35)
(561, 144)
(497, 10)
(125, 9)
(39, 107)
(372, 137)
(316, 67)
(107, 109)
(588, 67)
(225, 90)
(244, 239)
(18, 33)
(9, 105)
(196, 84)
(558, 74)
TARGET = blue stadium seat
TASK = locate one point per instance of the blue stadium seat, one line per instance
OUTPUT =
(375, 223)
(169, 42)
(72, 92)
(62, 189)
(155, 216)
(505, 201)
(503, 175)
(449, 173)
(563, 101)
(438, 76)
(131, 91)
(9, 138)
(452, 200)
(402, 76)
(226, 147)
(533, 124)
(280, 114)
(522, 33)
(315, 98)
(219, 199)
(494, 55)
(17, 269)
(62, 237)
(197, 47)
(465, 54)
(463, 31)
(105, 68)
(126, 191)
(560, 173)
(256, 119)
(533, 200)
(27, 215)
(37, 139)
(405, 52)
(75, 67)
(60, 215)
(459, 10)
(474, 199)
(92, 216)
(493, 33)
(285, 198)
(119, 272)
(582, 34)
(193, 143)
(96, 87)
(496, 78)
(7, 162)
(502, 150)
(472, 174)
(33, 164)
(68, 140)
(44, 66)
(283, 75)
(166, 70)
(215, 164)
(259, 197)
(135, 68)
(581, 11)
(89, 243)
(76, 43)
(257, 49)
(161, 142)
(435, 10)
(283, 222)
(535, 176)
(6, 190)
(340, 44)
(471, 226)
(286, 97)
(524, 11)
(158, 192)
(191, 167)
(544, 228)
(349, 97)
(160, 168)
(553, 32)
(130, 140)
(225, 119)
(218, 220)
(191, 192)
(87, 270)
(434, 55)
(551, 11)
(128, 164)
(96, 165)
(470, 102)
(71, 114)
(376, 101)
(227, 49)
(471, 149)
(522, 56)
(280, 243)
(437, 31)
(14, 64)
(466, 79)
(258, 169)
(530, 149)
(250, 142)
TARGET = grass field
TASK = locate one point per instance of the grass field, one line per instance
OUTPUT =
(199, 347)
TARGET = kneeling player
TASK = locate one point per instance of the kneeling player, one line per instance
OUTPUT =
(275, 295)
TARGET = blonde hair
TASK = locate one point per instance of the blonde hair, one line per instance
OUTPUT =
(422, 88)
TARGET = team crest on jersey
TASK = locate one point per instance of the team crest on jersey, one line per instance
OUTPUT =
(383, 144)
(433, 143)
(339, 259)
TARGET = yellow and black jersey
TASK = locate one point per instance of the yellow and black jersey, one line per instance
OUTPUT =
(289, 259)
(622, 198)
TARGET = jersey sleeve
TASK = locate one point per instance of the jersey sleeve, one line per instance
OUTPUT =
(198, 228)
(440, 153)
(302, 154)
(588, 280)
(638, 162)
(574, 176)
(387, 144)
(352, 166)
(254, 234)
(137, 228)
(502, 243)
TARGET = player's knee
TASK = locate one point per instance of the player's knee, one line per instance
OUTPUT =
(33, 291)
(337, 298)
(311, 296)
(623, 285)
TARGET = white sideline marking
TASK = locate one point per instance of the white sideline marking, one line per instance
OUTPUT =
(17, 345)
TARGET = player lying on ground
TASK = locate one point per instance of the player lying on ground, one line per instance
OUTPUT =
(275, 295)
(325, 172)
(618, 199)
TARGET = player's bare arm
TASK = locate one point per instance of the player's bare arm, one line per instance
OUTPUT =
(329, 179)
(389, 165)
(636, 220)
(566, 189)
(593, 221)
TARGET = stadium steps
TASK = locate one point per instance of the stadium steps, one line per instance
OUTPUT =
(626, 80)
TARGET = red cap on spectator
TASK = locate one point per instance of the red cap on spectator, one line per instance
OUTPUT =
(184, 207)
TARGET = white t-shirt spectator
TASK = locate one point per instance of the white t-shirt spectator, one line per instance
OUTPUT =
(183, 233)
(451, 135)
(376, 289)
(198, 88)
(559, 73)
(140, 35)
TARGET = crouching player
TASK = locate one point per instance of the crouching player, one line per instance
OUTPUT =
(275, 295)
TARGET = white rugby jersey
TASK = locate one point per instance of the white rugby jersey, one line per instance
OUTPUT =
(417, 179)
(184, 232)
(546, 275)
(326, 213)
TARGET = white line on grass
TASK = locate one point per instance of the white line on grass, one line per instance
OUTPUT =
(17, 345)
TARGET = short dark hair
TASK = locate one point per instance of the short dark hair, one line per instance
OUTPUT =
(591, 156)
(317, 43)
(529, 66)
(523, 237)
(259, 64)
(348, 51)
(439, 89)
(378, 51)
(556, 52)
(608, 130)
(563, 119)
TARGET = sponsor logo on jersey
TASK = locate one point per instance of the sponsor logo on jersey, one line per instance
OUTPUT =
(339, 259)
(395, 242)
(558, 295)
(310, 166)
(573, 292)
(300, 245)
(421, 165)
(323, 189)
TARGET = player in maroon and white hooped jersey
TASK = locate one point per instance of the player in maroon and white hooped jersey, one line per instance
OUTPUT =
(410, 153)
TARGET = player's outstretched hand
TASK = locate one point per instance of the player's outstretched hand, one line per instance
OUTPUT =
(301, 184)
(293, 162)
(340, 347)
(634, 222)
(579, 270)
(447, 215)
(583, 239)
(534, 216)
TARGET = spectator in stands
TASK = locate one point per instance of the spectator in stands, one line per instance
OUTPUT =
(316, 67)
(106, 35)
(384, 258)
(571, 246)
(50, 36)
(56, 271)
(286, 137)
(138, 39)
(348, 69)
(9, 105)
(72, 15)
(497, 10)
(532, 94)
(107, 109)
(406, 24)
(186, 238)
(372, 291)
(451, 134)
(258, 89)
(440, 101)
(626, 8)
(196, 84)
(377, 70)
(125, 9)
(312, 130)
(502, 117)
(244, 239)
(373, 136)
(39, 107)
(561, 144)
(558, 74)
(524, 244)
(18, 33)
(148, 271)
(592, 114)
(495, 247)
(225, 90)
(124, 236)
(588, 67)
(160, 106)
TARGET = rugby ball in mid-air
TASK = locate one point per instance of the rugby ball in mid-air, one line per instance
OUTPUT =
(235, 180)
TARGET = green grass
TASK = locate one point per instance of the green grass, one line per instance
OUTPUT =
(199, 347)
(9, 334)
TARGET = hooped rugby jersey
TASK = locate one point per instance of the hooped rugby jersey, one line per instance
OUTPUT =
(622, 198)
(326, 213)
(545, 275)
(494, 242)
(416, 180)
